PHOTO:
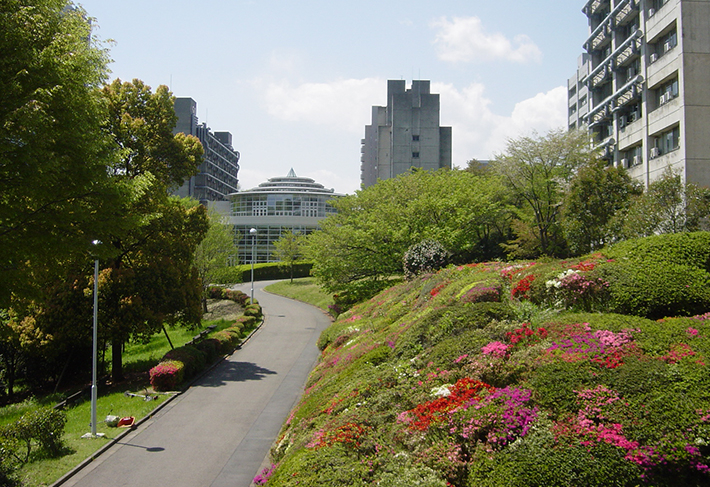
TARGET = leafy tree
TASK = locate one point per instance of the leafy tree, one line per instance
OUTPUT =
(537, 170)
(596, 193)
(215, 252)
(366, 240)
(55, 190)
(150, 277)
(667, 206)
(288, 250)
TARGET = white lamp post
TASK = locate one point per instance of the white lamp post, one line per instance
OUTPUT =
(94, 362)
(252, 232)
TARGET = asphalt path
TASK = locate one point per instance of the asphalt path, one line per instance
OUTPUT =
(218, 433)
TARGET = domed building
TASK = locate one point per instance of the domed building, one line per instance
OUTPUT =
(275, 207)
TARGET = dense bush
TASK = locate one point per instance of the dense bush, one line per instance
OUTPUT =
(425, 257)
(167, 375)
(659, 276)
(42, 428)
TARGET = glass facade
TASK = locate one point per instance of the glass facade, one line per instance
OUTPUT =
(275, 207)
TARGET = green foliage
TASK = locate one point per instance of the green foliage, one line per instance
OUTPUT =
(216, 251)
(55, 190)
(424, 257)
(663, 275)
(367, 238)
(668, 206)
(536, 170)
(288, 251)
(596, 193)
(41, 427)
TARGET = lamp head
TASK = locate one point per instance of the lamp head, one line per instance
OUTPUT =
(252, 231)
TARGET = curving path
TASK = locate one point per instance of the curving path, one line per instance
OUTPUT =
(219, 431)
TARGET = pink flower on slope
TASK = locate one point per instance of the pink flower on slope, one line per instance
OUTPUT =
(496, 349)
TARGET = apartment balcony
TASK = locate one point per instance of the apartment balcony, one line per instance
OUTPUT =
(601, 75)
(602, 37)
(629, 53)
(626, 12)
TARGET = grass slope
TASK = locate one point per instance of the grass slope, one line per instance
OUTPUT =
(499, 375)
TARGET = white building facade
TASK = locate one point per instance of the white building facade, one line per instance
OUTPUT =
(279, 205)
(648, 86)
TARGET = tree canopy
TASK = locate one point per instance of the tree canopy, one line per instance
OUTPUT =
(537, 170)
(55, 189)
(367, 238)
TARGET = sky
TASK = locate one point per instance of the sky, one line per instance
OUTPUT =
(295, 81)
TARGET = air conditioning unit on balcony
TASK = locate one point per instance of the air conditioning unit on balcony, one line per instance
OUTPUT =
(636, 161)
(655, 152)
(651, 12)
(623, 120)
(667, 47)
(624, 163)
(653, 57)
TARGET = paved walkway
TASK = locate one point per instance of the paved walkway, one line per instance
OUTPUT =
(219, 431)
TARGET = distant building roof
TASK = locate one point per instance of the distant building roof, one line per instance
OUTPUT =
(290, 183)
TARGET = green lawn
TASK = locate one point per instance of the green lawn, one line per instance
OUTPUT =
(305, 289)
(138, 358)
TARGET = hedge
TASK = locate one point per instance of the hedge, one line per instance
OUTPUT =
(262, 272)
(659, 276)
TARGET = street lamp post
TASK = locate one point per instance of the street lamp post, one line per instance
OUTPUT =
(252, 232)
(94, 359)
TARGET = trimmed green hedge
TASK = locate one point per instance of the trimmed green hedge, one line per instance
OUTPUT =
(262, 272)
(659, 276)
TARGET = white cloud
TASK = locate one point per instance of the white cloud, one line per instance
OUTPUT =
(344, 104)
(464, 40)
(480, 133)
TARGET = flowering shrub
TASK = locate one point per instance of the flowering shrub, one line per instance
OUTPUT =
(263, 477)
(577, 290)
(436, 412)
(166, 376)
(525, 334)
(522, 287)
(496, 349)
(498, 419)
(426, 256)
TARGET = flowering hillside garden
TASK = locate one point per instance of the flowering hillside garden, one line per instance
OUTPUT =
(554, 373)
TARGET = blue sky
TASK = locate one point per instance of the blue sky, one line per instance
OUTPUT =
(294, 81)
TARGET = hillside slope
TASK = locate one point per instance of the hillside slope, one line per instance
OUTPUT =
(509, 375)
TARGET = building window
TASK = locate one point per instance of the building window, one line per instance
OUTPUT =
(667, 92)
(666, 142)
(631, 157)
(415, 138)
(415, 155)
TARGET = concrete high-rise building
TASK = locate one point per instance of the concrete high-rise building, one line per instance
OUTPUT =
(219, 170)
(405, 134)
(579, 94)
(649, 85)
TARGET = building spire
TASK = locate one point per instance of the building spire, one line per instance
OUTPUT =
(291, 174)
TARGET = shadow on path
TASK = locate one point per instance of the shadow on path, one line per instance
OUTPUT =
(235, 372)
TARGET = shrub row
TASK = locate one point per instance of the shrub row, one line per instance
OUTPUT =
(262, 272)
(183, 363)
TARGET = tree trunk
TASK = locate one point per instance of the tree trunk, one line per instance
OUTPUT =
(204, 304)
(116, 361)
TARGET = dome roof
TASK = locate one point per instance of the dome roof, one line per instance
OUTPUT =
(291, 184)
